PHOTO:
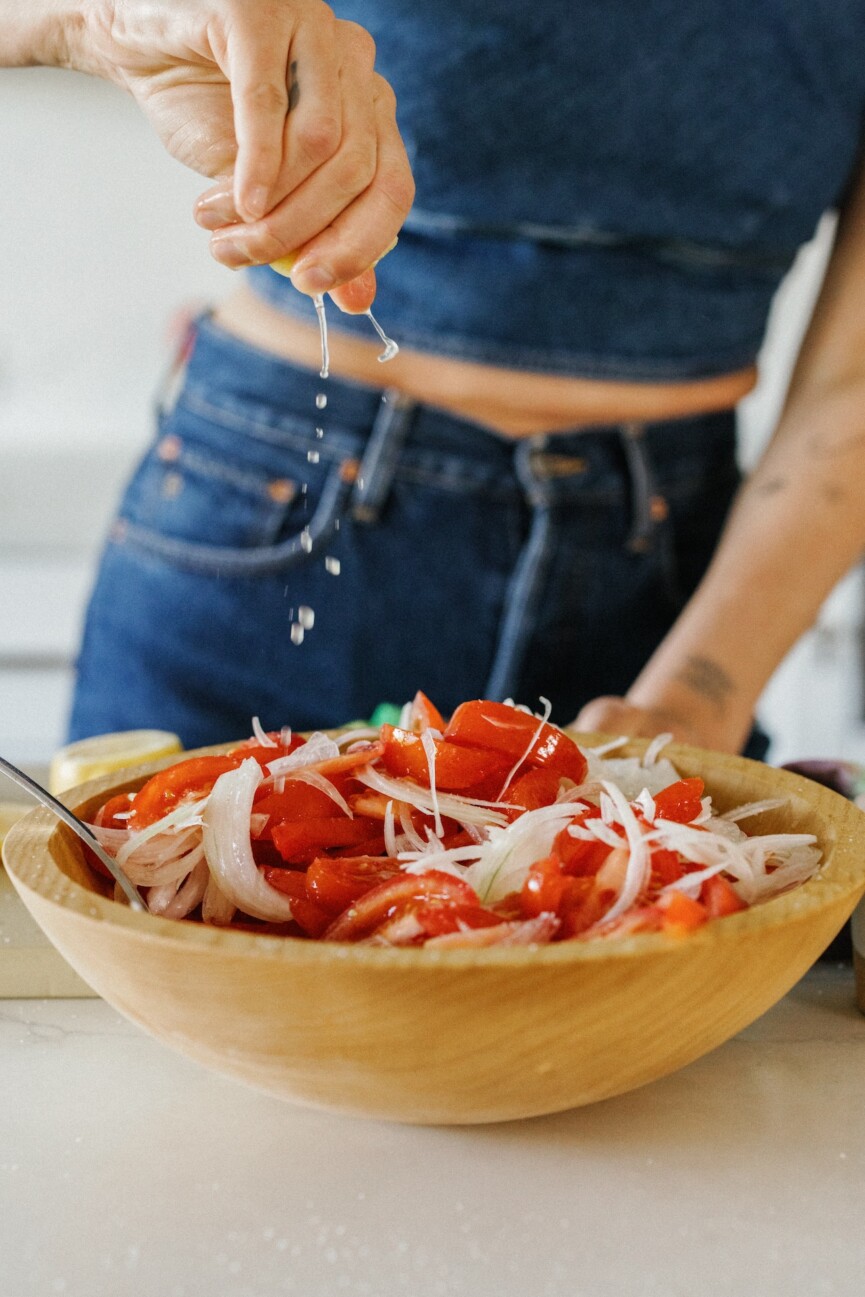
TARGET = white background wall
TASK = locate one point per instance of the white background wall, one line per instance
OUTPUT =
(99, 253)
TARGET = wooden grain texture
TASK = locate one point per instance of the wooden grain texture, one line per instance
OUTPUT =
(451, 1036)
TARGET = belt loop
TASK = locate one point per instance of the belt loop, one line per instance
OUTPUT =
(378, 464)
(648, 507)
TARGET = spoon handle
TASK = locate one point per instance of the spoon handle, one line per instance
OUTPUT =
(63, 812)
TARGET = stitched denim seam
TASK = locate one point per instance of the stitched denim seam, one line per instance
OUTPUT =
(335, 445)
(235, 560)
(677, 251)
(211, 467)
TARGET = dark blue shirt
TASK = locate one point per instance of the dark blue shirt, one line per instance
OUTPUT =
(608, 188)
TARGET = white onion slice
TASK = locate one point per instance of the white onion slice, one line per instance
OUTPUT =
(262, 738)
(639, 860)
(228, 848)
(453, 806)
(318, 747)
(542, 720)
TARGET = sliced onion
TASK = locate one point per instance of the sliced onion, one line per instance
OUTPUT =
(429, 747)
(542, 720)
(228, 848)
(639, 860)
(464, 809)
(318, 747)
(262, 738)
(216, 908)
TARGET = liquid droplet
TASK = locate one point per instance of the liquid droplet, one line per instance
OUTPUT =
(332, 565)
(306, 617)
(320, 401)
(297, 633)
(306, 541)
(313, 456)
(390, 347)
(318, 302)
(319, 432)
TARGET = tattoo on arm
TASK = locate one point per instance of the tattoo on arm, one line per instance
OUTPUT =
(293, 85)
(707, 678)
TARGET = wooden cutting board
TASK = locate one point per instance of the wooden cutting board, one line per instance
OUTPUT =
(30, 967)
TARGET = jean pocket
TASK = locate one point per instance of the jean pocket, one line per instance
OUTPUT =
(215, 503)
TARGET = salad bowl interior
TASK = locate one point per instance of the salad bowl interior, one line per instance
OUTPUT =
(449, 1035)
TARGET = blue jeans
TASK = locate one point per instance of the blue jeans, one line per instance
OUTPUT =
(403, 547)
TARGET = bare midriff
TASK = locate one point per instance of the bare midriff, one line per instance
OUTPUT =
(510, 402)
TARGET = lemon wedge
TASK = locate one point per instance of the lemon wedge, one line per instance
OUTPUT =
(105, 753)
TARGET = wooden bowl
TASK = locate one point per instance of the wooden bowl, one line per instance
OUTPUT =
(450, 1036)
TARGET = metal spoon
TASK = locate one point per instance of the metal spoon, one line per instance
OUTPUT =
(63, 812)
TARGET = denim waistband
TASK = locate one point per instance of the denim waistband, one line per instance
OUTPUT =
(232, 375)
(373, 434)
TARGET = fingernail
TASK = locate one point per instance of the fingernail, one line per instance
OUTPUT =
(312, 279)
(229, 250)
(256, 202)
(213, 211)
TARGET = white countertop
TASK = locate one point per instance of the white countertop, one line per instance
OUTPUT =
(128, 1171)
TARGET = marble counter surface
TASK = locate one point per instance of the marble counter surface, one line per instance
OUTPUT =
(128, 1171)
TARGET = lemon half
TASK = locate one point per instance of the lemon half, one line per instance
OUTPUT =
(105, 753)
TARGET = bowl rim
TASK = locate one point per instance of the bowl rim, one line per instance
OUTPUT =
(29, 859)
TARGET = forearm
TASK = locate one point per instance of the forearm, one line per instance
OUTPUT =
(39, 32)
(797, 527)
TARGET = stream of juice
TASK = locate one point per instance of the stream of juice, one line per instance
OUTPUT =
(305, 615)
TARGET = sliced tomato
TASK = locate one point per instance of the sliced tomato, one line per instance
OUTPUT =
(666, 867)
(680, 912)
(297, 801)
(186, 781)
(294, 839)
(457, 768)
(680, 801)
(335, 882)
(118, 805)
(425, 715)
(397, 896)
(309, 916)
(530, 791)
(580, 857)
(720, 898)
(578, 903)
(502, 728)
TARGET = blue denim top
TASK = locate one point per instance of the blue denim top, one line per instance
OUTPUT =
(607, 188)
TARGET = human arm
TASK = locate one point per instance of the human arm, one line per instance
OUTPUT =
(276, 100)
(797, 526)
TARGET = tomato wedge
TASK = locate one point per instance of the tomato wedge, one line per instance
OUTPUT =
(294, 839)
(457, 768)
(528, 792)
(502, 728)
(681, 801)
(719, 897)
(395, 897)
(425, 715)
(186, 781)
(334, 882)
(311, 918)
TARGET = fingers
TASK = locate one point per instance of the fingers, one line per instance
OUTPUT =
(340, 216)
(357, 296)
(255, 67)
(368, 226)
